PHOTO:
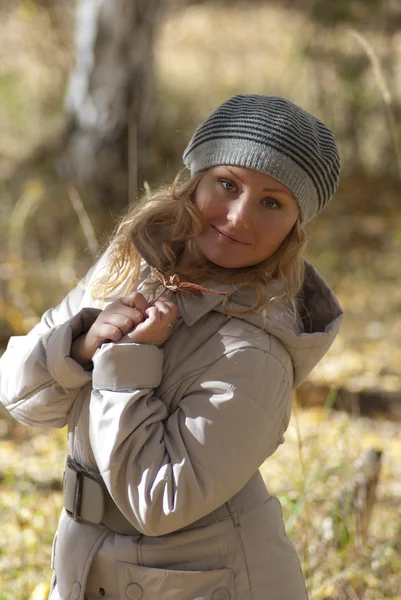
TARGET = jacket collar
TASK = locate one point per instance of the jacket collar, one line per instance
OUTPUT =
(306, 335)
(192, 308)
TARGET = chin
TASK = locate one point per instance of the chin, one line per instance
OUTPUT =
(224, 259)
(226, 263)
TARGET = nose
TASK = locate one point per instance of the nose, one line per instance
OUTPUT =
(238, 213)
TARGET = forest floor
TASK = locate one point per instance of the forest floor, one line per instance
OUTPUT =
(311, 474)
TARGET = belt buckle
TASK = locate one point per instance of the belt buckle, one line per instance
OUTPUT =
(79, 483)
(76, 509)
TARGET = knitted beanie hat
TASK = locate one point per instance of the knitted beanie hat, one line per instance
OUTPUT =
(276, 137)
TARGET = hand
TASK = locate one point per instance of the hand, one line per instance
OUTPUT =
(157, 326)
(112, 324)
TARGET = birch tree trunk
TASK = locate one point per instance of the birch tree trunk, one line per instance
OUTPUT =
(108, 100)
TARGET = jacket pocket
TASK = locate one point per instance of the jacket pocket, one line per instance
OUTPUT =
(145, 583)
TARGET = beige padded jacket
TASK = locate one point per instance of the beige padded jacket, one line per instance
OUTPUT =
(175, 432)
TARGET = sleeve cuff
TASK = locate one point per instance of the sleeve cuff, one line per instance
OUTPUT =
(129, 366)
(68, 373)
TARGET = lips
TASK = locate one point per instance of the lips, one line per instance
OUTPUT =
(229, 236)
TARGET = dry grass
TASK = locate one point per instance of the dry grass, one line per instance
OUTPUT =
(323, 530)
(336, 565)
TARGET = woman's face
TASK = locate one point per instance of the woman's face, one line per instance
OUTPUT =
(248, 215)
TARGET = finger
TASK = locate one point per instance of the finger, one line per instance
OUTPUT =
(153, 314)
(131, 335)
(166, 307)
(107, 333)
(125, 324)
(119, 307)
(135, 300)
(123, 313)
(168, 310)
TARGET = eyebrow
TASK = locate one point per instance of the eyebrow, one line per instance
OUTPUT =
(268, 189)
(280, 190)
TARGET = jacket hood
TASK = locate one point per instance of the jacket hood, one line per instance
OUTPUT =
(306, 335)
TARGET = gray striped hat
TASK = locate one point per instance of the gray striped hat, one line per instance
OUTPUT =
(276, 137)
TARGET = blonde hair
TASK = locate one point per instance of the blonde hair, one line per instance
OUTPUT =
(170, 217)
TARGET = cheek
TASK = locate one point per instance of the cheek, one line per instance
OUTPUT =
(271, 236)
(206, 206)
(199, 199)
(200, 204)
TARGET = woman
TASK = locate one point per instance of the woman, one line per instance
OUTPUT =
(178, 390)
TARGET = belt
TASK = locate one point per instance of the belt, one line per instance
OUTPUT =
(87, 499)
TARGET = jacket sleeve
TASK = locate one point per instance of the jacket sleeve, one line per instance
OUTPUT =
(167, 471)
(38, 380)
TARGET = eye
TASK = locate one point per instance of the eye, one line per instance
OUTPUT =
(228, 185)
(271, 203)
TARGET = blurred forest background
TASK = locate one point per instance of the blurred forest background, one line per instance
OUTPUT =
(97, 102)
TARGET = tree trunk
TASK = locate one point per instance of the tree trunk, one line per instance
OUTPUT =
(109, 98)
(356, 503)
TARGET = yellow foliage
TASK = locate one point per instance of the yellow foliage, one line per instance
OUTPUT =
(14, 318)
(316, 414)
(40, 592)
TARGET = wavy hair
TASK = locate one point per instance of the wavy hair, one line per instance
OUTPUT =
(158, 227)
